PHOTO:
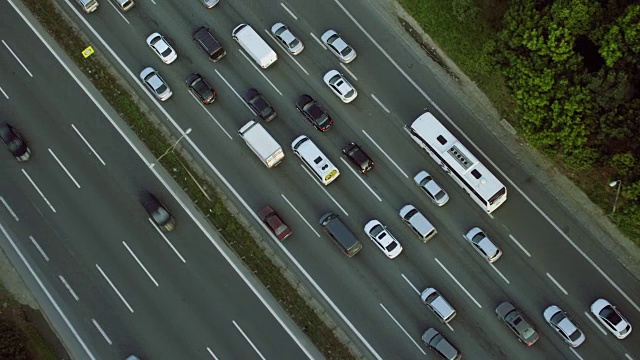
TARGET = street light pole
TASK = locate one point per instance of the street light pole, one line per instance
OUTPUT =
(187, 132)
(613, 184)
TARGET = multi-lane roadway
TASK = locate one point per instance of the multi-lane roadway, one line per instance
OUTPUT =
(549, 257)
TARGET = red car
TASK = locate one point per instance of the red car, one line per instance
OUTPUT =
(271, 218)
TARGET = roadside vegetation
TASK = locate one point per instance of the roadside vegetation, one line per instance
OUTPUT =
(566, 74)
(234, 234)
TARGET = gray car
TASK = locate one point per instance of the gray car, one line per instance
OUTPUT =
(438, 304)
(338, 46)
(437, 342)
(155, 84)
(431, 188)
(286, 39)
(517, 323)
(209, 3)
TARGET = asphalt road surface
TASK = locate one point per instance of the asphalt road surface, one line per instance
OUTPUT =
(549, 257)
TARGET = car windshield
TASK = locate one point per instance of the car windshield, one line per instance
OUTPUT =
(376, 230)
(346, 51)
(574, 336)
(280, 30)
(392, 245)
(160, 216)
(611, 315)
(294, 43)
(440, 195)
(166, 52)
(280, 229)
(349, 93)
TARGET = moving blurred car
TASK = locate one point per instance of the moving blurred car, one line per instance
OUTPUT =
(200, 88)
(259, 105)
(14, 142)
(158, 212)
(161, 47)
(358, 157)
(483, 245)
(383, 239)
(209, 3)
(563, 325)
(340, 86)
(313, 112)
(287, 40)
(611, 318)
(155, 84)
(517, 323)
(271, 218)
(437, 342)
(338, 46)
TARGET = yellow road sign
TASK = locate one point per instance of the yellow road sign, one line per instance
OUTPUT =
(87, 52)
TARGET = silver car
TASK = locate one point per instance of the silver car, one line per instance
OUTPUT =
(564, 326)
(286, 39)
(483, 245)
(431, 188)
(209, 3)
(438, 304)
(340, 86)
(155, 83)
(162, 48)
(338, 46)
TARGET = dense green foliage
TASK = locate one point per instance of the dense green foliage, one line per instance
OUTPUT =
(574, 69)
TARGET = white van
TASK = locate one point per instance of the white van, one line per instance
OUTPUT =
(262, 143)
(315, 160)
(254, 45)
(88, 6)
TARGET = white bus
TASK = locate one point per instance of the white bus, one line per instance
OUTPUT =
(315, 160)
(483, 187)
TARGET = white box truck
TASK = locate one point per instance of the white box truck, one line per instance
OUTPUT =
(262, 143)
(254, 45)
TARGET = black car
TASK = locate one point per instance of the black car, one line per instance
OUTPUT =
(14, 142)
(259, 105)
(158, 212)
(200, 88)
(203, 37)
(358, 157)
(314, 112)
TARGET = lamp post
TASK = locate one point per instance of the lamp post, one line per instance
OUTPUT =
(187, 132)
(613, 184)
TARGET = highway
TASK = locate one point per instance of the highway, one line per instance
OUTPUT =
(74, 214)
(549, 256)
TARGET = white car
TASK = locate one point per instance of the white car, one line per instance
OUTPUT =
(611, 318)
(431, 188)
(563, 325)
(210, 3)
(438, 304)
(155, 83)
(161, 47)
(338, 46)
(340, 86)
(286, 38)
(383, 238)
(483, 244)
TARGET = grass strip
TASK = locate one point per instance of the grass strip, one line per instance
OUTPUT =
(234, 234)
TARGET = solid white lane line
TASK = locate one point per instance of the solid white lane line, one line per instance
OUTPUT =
(575, 353)
(595, 322)
(4, 93)
(114, 287)
(38, 190)
(520, 245)
(385, 154)
(289, 11)
(558, 229)
(318, 40)
(44, 289)
(66, 284)
(403, 330)
(17, 58)
(166, 240)
(380, 103)
(360, 177)
(499, 273)
(9, 209)
(101, 331)
(258, 70)
(248, 340)
(232, 89)
(285, 51)
(204, 229)
(35, 243)
(64, 168)
(557, 284)
(458, 282)
(212, 117)
(349, 71)
(140, 263)
(322, 187)
(410, 284)
(628, 356)
(211, 353)
(88, 145)
(299, 214)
